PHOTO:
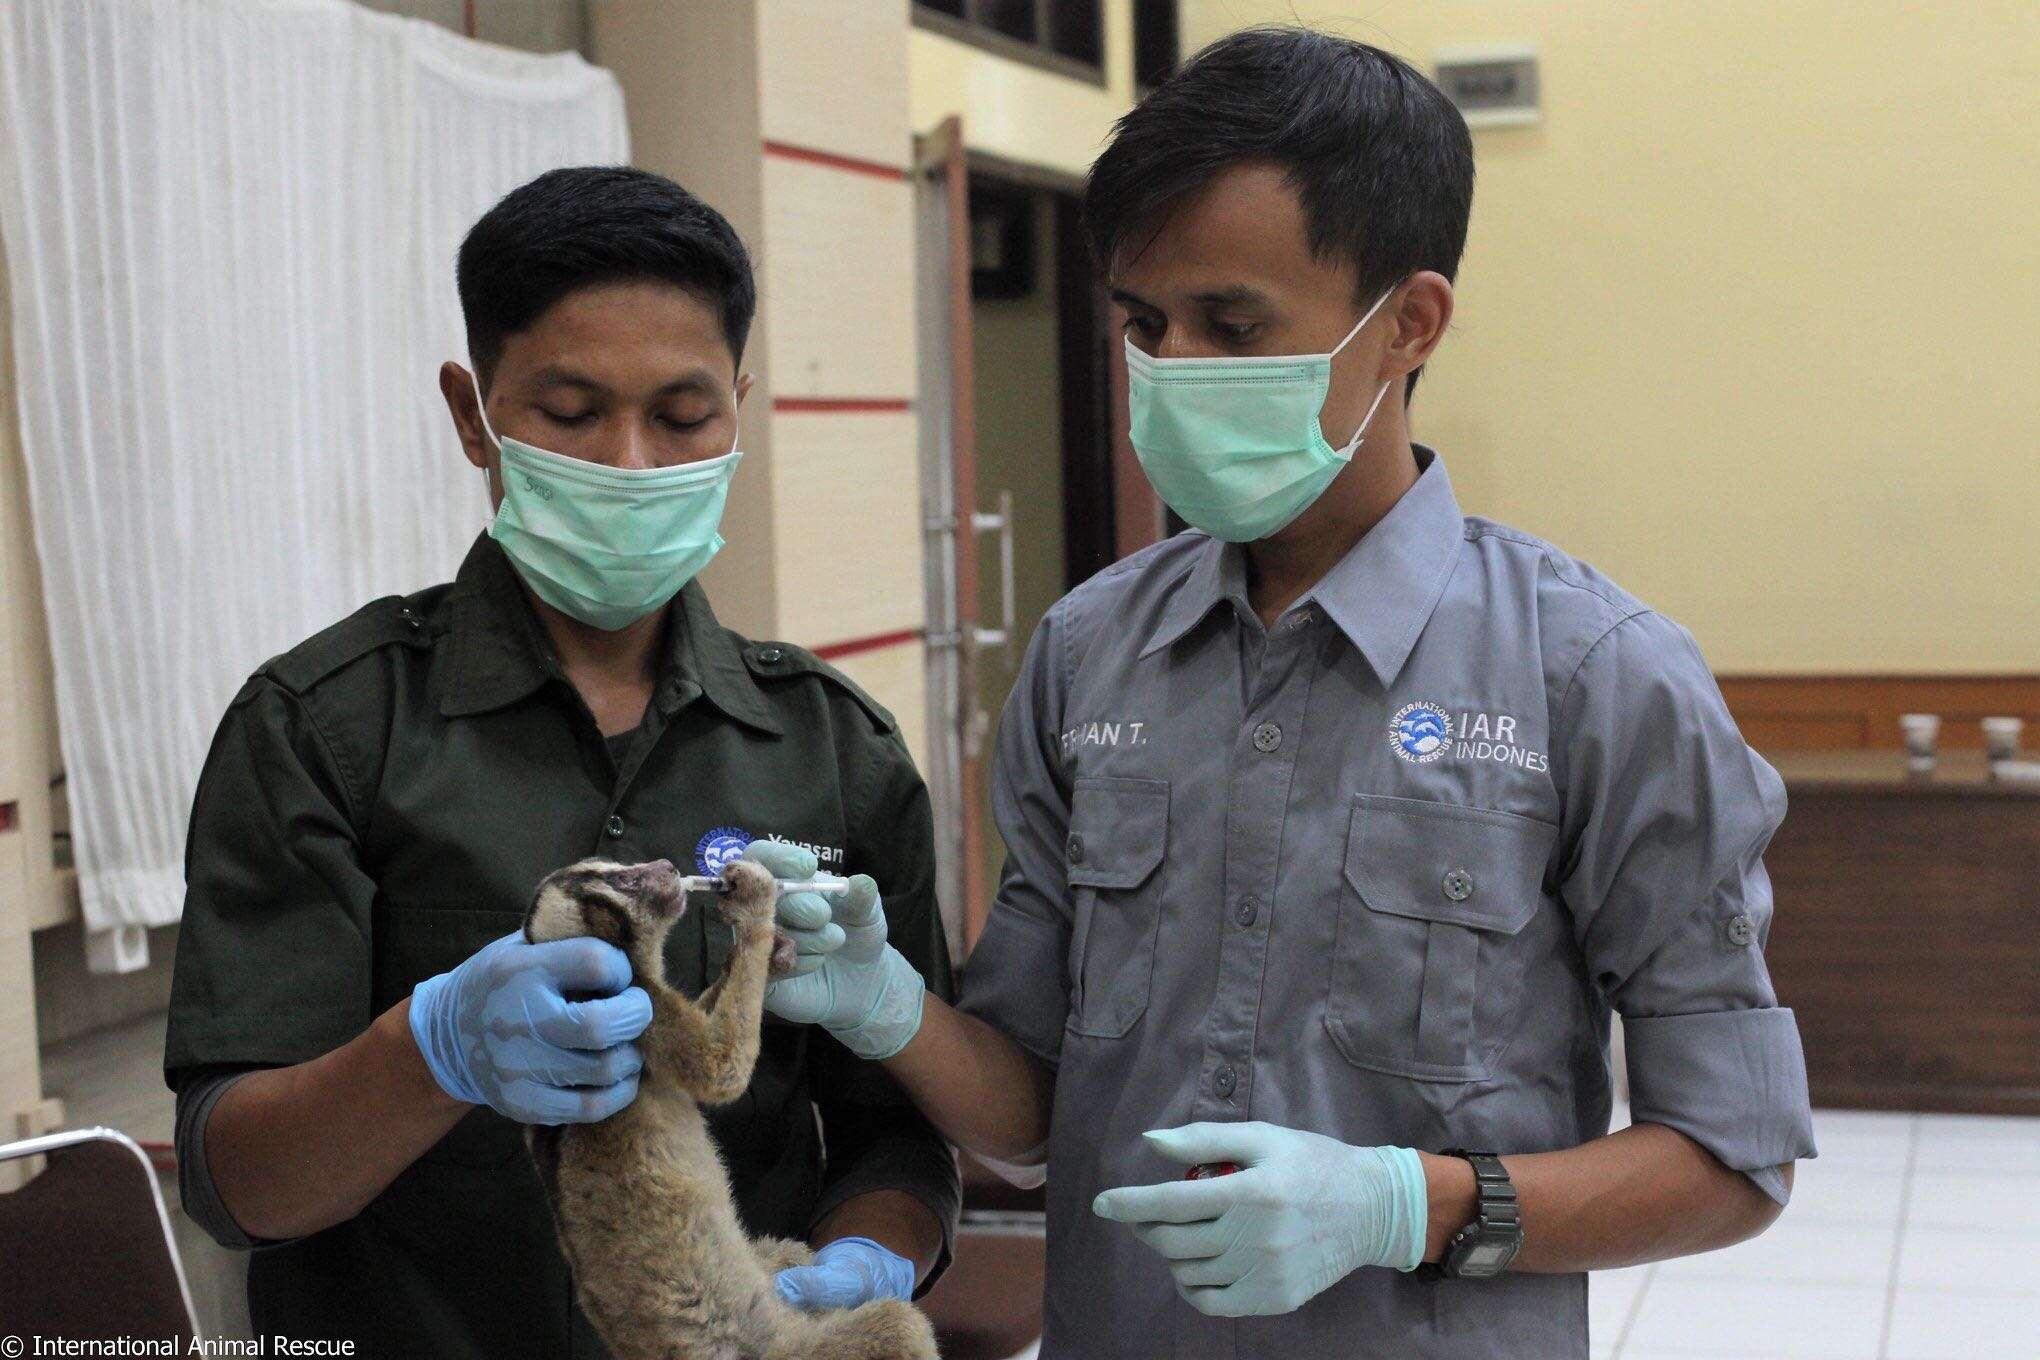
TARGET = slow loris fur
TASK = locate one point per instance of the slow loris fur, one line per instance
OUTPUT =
(641, 1200)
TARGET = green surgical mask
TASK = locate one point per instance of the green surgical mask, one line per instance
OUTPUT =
(606, 545)
(1233, 445)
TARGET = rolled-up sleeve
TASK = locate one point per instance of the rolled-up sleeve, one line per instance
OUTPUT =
(1017, 978)
(199, 1092)
(1668, 812)
(272, 951)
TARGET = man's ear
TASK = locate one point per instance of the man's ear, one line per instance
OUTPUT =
(744, 381)
(458, 389)
(1420, 321)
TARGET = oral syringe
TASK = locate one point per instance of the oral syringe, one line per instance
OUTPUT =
(828, 884)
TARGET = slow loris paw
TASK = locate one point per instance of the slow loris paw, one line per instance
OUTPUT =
(783, 1253)
(785, 954)
(752, 896)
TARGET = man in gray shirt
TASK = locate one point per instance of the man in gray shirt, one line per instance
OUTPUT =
(1339, 826)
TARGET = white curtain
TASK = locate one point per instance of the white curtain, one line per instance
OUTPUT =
(230, 230)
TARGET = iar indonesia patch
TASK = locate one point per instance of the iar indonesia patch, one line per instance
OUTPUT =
(715, 851)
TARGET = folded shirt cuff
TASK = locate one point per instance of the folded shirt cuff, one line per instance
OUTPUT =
(1732, 1081)
(1009, 982)
(195, 1189)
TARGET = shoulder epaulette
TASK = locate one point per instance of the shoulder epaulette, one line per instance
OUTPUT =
(779, 660)
(391, 620)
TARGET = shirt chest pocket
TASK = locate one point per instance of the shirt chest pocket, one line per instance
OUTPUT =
(1426, 968)
(1119, 832)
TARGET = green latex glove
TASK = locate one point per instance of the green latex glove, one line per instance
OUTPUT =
(857, 986)
(1303, 1211)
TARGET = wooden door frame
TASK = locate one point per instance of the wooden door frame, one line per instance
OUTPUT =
(1133, 512)
(1138, 517)
(1109, 508)
(943, 153)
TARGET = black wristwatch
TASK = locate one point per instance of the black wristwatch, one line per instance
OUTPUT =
(1483, 1248)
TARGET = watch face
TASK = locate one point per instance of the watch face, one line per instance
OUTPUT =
(1486, 1256)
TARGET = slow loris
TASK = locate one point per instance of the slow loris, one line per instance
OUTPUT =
(641, 1199)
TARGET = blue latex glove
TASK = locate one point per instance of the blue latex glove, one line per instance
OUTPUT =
(860, 988)
(847, 1272)
(1302, 1212)
(497, 1030)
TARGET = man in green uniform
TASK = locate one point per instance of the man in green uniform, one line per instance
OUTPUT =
(356, 1029)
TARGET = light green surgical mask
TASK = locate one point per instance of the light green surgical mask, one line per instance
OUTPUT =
(606, 545)
(1233, 444)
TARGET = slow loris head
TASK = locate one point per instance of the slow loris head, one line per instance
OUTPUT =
(632, 906)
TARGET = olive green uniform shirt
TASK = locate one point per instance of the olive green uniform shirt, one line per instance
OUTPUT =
(380, 802)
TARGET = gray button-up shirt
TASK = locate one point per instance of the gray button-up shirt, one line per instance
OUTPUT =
(1381, 872)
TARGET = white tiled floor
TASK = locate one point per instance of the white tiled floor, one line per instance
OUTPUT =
(1911, 1237)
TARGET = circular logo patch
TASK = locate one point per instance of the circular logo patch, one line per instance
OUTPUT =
(1419, 732)
(721, 845)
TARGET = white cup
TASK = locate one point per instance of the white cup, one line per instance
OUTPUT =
(1921, 731)
(2001, 738)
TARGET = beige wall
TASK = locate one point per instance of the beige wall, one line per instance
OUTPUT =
(755, 106)
(1023, 112)
(1749, 319)
(26, 762)
(690, 93)
(838, 281)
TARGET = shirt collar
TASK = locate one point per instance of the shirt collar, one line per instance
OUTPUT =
(1380, 594)
(707, 654)
(496, 652)
(1217, 574)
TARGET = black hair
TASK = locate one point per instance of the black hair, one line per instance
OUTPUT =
(1379, 157)
(596, 224)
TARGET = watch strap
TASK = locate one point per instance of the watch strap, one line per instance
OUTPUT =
(1496, 1213)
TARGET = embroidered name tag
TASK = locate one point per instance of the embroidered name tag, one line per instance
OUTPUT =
(1103, 734)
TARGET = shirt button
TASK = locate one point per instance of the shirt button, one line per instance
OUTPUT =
(1246, 911)
(615, 827)
(769, 655)
(1076, 849)
(1458, 885)
(1267, 737)
(1741, 930)
(410, 619)
(1223, 1082)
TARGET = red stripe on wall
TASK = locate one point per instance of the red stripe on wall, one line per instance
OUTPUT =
(854, 164)
(875, 643)
(840, 405)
